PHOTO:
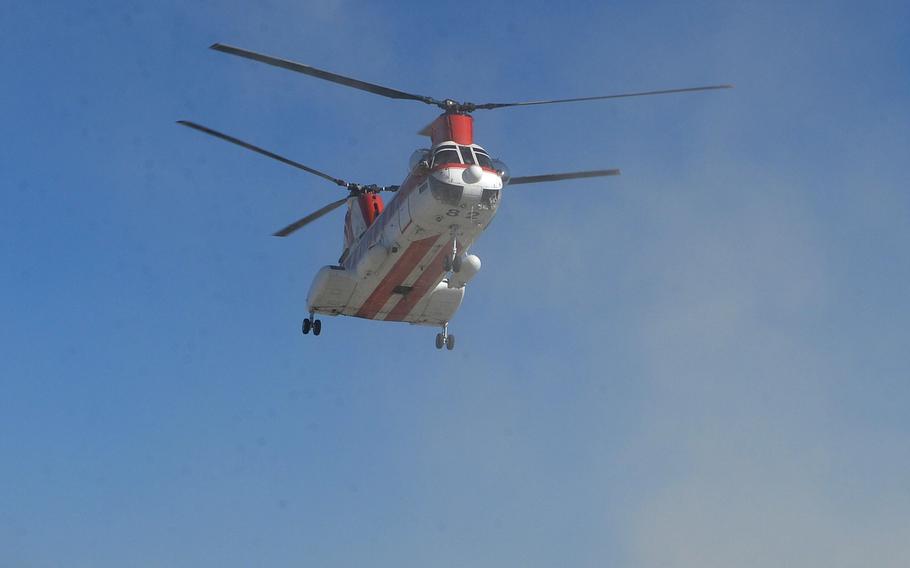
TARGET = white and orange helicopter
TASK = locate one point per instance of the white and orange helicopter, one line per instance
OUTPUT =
(409, 260)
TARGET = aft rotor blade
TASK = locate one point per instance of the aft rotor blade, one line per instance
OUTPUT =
(310, 218)
(489, 106)
(325, 75)
(262, 151)
(558, 177)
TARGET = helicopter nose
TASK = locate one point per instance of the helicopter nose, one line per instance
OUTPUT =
(472, 174)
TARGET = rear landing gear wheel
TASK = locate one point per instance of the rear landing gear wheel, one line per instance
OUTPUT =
(307, 324)
(440, 340)
(317, 327)
(450, 342)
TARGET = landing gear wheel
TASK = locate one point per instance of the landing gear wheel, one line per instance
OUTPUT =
(447, 264)
(317, 327)
(456, 264)
(440, 340)
(305, 328)
(450, 342)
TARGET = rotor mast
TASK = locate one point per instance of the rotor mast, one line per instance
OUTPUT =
(449, 126)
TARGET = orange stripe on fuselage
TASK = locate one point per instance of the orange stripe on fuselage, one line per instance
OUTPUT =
(395, 277)
(421, 286)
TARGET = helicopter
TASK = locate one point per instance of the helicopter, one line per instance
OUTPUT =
(409, 260)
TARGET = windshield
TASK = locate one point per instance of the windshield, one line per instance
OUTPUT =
(466, 154)
(483, 159)
(446, 155)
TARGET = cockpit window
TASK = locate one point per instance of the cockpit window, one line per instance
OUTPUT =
(483, 159)
(446, 155)
(466, 154)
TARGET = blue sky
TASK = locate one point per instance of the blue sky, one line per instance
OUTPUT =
(702, 362)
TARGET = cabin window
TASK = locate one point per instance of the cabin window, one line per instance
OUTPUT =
(483, 159)
(446, 155)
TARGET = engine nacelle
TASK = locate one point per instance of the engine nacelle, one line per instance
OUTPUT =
(470, 266)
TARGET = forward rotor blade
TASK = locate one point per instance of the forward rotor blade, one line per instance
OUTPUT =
(558, 177)
(310, 218)
(259, 150)
(325, 75)
(489, 106)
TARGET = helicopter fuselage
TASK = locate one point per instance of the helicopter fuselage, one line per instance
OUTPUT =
(411, 263)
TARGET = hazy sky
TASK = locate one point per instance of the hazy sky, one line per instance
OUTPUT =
(703, 362)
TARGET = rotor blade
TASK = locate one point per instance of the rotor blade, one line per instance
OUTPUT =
(489, 106)
(325, 75)
(259, 150)
(558, 177)
(309, 218)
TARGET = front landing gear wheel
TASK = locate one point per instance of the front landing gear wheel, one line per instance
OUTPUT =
(317, 327)
(447, 264)
(456, 264)
(307, 324)
(444, 339)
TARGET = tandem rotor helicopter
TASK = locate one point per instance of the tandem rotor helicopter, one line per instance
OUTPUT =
(409, 260)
